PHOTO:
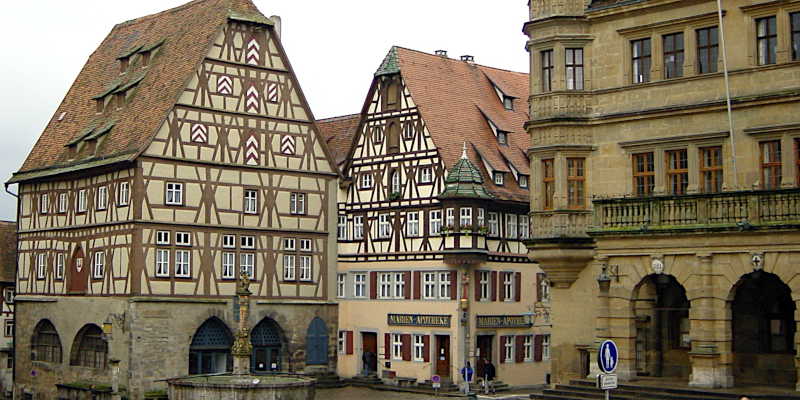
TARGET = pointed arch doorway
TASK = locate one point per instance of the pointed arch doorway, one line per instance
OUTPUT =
(267, 341)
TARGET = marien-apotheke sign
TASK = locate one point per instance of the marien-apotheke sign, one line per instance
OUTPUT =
(503, 321)
(442, 321)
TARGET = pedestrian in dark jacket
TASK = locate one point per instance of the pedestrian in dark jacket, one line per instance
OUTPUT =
(488, 376)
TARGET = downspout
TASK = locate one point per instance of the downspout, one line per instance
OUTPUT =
(14, 336)
(727, 93)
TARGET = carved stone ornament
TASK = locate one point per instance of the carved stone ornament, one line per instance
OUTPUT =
(757, 259)
(242, 346)
(658, 266)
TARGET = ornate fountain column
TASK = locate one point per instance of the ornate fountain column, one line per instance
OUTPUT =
(242, 348)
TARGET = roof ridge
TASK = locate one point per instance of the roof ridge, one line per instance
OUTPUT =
(460, 61)
(160, 13)
(338, 117)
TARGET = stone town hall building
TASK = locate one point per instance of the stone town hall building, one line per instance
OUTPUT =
(182, 154)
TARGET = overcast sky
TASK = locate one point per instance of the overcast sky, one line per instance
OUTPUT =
(334, 47)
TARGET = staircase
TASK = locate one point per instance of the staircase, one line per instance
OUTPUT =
(328, 380)
(368, 380)
(586, 389)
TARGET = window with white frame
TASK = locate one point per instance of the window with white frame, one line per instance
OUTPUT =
(429, 285)
(174, 194)
(527, 346)
(59, 266)
(399, 285)
(358, 227)
(183, 239)
(62, 202)
(366, 180)
(305, 244)
(544, 288)
(485, 282)
(123, 194)
(466, 217)
(359, 285)
(305, 268)
(508, 347)
(412, 223)
(508, 286)
(341, 281)
(43, 200)
(444, 285)
(545, 347)
(385, 285)
(250, 201)
(80, 205)
(481, 222)
(384, 226)
(247, 264)
(229, 241)
(288, 267)
(297, 203)
(524, 227)
(183, 266)
(41, 265)
(523, 181)
(425, 175)
(228, 265)
(511, 226)
(8, 295)
(9, 328)
(340, 340)
(99, 267)
(341, 227)
(419, 348)
(162, 262)
(493, 224)
(101, 200)
(397, 346)
(499, 178)
(436, 222)
(289, 244)
(395, 182)
(162, 237)
(450, 218)
(248, 242)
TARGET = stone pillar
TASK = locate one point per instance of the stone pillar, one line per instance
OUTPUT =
(242, 348)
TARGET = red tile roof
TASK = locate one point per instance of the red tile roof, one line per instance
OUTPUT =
(339, 133)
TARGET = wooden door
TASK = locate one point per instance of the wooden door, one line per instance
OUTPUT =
(317, 343)
(78, 273)
(369, 355)
(443, 355)
(484, 349)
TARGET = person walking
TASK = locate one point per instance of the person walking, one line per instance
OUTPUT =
(466, 375)
(488, 376)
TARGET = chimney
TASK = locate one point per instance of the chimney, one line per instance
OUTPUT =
(468, 58)
(441, 53)
(277, 21)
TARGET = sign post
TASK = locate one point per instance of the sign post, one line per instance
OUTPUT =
(436, 382)
(607, 359)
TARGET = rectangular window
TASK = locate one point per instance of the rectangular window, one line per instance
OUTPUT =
(643, 174)
(8, 295)
(62, 202)
(341, 227)
(466, 217)
(99, 268)
(305, 268)
(183, 266)
(399, 285)
(43, 200)
(548, 183)
(419, 348)
(494, 230)
(397, 346)
(547, 70)
(366, 180)
(288, 267)
(412, 224)
(250, 201)
(576, 181)
(640, 60)
(358, 227)
(707, 49)
(341, 280)
(524, 227)
(484, 285)
(677, 171)
(60, 266)
(511, 226)
(228, 265)
(481, 218)
(123, 194)
(499, 178)
(248, 264)
(795, 17)
(502, 137)
(766, 39)
(451, 218)
(229, 241)
(297, 203)
(41, 265)
(174, 194)
(385, 285)
(183, 239)
(249, 242)
(384, 226)
(523, 181)
(305, 245)
(80, 205)
(425, 175)
(429, 285)
(508, 348)
(711, 169)
(9, 328)
(545, 347)
(771, 164)
(101, 201)
(527, 346)
(359, 285)
(162, 237)
(340, 342)
(436, 222)
(673, 55)
(508, 286)
(574, 68)
(444, 285)
(162, 262)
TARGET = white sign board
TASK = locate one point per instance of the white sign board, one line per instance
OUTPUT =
(607, 381)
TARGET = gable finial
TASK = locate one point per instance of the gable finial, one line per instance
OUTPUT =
(464, 152)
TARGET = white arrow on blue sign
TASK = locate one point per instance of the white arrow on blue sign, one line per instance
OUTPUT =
(607, 356)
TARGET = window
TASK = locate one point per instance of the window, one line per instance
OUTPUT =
(711, 169)
(397, 346)
(248, 264)
(499, 178)
(408, 130)
(249, 242)
(511, 226)
(43, 200)
(183, 264)
(289, 244)
(305, 245)
(399, 285)
(547, 70)
(548, 183)
(62, 202)
(385, 285)
(340, 342)
(523, 181)
(707, 50)
(766, 40)
(425, 175)
(228, 265)
(677, 171)
(429, 285)
(162, 262)
(341, 280)
(305, 268)
(412, 224)
(101, 201)
(770, 164)
(481, 218)
(183, 239)
(92, 349)
(436, 222)
(508, 102)
(45, 344)
(640, 60)
(123, 194)
(451, 218)
(359, 285)
(444, 285)
(174, 193)
(366, 180)
(59, 266)
(358, 227)
(395, 182)
(297, 203)
(576, 180)
(502, 137)
(508, 348)
(229, 241)
(544, 288)
(524, 227)
(508, 286)
(545, 347)
(466, 217)
(99, 268)
(574, 68)
(288, 268)
(795, 17)
(419, 348)
(643, 174)
(250, 201)
(673, 55)
(41, 265)
(527, 346)
(162, 237)
(484, 283)
(341, 227)
(80, 205)
(384, 226)
(494, 230)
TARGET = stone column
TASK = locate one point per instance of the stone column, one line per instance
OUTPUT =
(242, 348)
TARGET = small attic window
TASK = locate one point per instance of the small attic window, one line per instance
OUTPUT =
(499, 178)
(124, 62)
(119, 99)
(508, 102)
(100, 105)
(502, 137)
(145, 58)
(523, 181)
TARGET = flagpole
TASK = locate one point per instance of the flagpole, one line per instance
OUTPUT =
(727, 94)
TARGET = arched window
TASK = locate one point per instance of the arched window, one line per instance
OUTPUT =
(45, 344)
(210, 351)
(317, 342)
(267, 340)
(89, 348)
(395, 182)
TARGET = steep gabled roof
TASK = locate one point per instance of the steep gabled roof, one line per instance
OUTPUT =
(339, 133)
(182, 36)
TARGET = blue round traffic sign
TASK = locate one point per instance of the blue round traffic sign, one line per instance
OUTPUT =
(607, 356)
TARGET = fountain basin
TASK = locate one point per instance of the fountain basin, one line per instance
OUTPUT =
(242, 387)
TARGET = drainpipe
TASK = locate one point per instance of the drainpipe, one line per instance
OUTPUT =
(14, 337)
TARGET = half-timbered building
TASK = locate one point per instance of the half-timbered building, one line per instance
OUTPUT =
(184, 154)
(432, 215)
(8, 268)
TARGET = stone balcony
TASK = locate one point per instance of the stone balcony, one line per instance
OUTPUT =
(550, 105)
(560, 224)
(729, 211)
(549, 8)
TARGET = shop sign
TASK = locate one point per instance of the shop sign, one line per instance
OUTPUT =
(503, 321)
(442, 321)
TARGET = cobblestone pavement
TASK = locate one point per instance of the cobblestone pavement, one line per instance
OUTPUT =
(359, 393)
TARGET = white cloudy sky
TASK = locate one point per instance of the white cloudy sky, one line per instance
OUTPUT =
(334, 46)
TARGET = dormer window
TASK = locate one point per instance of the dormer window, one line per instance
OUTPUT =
(499, 178)
(502, 137)
(145, 58)
(100, 105)
(119, 99)
(523, 181)
(123, 64)
(508, 102)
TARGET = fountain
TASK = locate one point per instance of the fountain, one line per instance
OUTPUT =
(240, 384)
